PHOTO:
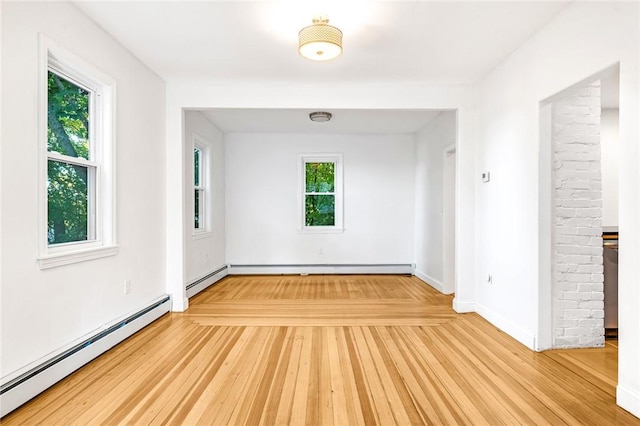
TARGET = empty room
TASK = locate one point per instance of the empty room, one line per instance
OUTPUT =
(320, 212)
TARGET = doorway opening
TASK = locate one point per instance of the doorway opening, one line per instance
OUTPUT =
(573, 202)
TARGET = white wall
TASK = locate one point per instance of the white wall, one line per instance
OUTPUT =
(430, 144)
(610, 165)
(44, 311)
(585, 39)
(205, 252)
(262, 203)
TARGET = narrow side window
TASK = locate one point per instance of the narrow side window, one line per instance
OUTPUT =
(199, 190)
(202, 203)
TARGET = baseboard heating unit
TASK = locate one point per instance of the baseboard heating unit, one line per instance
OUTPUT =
(391, 268)
(200, 284)
(29, 384)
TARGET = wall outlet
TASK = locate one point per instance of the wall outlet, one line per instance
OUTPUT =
(127, 287)
(489, 279)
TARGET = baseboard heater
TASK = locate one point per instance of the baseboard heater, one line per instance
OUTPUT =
(385, 268)
(29, 384)
(201, 283)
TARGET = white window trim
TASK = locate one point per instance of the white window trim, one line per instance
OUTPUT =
(61, 61)
(338, 183)
(205, 148)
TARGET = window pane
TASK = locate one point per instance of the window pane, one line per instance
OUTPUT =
(319, 177)
(67, 117)
(319, 210)
(196, 166)
(196, 213)
(67, 202)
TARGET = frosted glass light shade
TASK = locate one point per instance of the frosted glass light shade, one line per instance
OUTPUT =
(320, 41)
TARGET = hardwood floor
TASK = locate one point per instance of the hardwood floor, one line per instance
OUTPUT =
(330, 350)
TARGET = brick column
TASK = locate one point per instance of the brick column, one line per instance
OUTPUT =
(578, 307)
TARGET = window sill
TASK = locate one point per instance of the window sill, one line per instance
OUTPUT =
(201, 235)
(55, 260)
(321, 230)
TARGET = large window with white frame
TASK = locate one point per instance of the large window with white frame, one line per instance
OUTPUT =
(321, 193)
(201, 188)
(77, 219)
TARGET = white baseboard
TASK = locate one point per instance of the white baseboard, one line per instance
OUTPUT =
(179, 305)
(513, 330)
(21, 389)
(320, 269)
(196, 286)
(463, 307)
(629, 399)
(437, 284)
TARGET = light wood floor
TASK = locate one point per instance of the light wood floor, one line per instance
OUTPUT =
(330, 350)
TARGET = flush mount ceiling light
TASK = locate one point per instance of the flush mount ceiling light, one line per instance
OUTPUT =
(320, 116)
(320, 41)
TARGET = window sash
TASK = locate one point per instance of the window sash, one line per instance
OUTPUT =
(335, 195)
(199, 218)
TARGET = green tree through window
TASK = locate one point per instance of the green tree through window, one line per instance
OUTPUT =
(320, 195)
(69, 180)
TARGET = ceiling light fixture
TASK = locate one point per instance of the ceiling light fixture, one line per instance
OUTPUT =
(320, 116)
(320, 41)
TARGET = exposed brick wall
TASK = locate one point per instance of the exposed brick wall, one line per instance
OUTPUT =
(578, 311)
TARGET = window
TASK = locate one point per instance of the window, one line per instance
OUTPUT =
(71, 165)
(199, 221)
(202, 198)
(77, 220)
(321, 188)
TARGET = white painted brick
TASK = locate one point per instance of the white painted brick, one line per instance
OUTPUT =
(575, 147)
(577, 184)
(565, 323)
(588, 231)
(591, 304)
(566, 286)
(589, 322)
(587, 195)
(597, 260)
(574, 331)
(594, 251)
(590, 287)
(594, 269)
(565, 304)
(577, 222)
(580, 297)
(565, 230)
(581, 313)
(575, 203)
(595, 213)
(564, 212)
(571, 109)
(597, 295)
(578, 278)
(566, 342)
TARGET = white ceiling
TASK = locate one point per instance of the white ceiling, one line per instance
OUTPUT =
(297, 121)
(437, 42)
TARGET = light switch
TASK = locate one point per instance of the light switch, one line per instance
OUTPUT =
(485, 176)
